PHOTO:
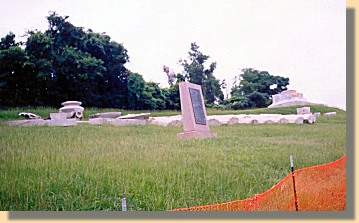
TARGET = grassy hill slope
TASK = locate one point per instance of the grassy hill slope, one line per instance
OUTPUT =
(90, 167)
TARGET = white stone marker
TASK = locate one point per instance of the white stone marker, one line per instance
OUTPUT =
(72, 109)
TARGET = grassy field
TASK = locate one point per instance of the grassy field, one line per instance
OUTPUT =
(90, 167)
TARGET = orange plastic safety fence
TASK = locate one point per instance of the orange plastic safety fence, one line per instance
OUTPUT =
(318, 188)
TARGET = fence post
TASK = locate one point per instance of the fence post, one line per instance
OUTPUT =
(124, 207)
(293, 177)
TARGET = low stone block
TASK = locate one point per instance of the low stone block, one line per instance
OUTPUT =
(233, 121)
(32, 122)
(214, 122)
(160, 122)
(283, 121)
(176, 123)
(58, 116)
(127, 122)
(166, 120)
(82, 122)
(299, 120)
(106, 115)
(261, 119)
(317, 114)
(97, 121)
(136, 116)
(246, 121)
(67, 122)
(310, 119)
(303, 110)
(328, 114)
(269, 122)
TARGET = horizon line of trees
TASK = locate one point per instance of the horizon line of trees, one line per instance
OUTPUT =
(66, 62)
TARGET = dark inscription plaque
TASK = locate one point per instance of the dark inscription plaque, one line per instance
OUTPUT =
(198, 110)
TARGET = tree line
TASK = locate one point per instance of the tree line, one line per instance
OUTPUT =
(66, 62)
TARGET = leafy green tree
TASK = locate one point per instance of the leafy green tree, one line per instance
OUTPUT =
(73, 64)
(195, 72)
(136, 88)
(155, 97)
(144, 95)
(8, 41)
(16, 78)
(172, 97)
(256, 88)
(11, 70)
(212, 90)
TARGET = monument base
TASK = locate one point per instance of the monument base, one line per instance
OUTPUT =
(195, 135)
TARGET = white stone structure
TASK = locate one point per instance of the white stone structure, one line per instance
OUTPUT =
(289, 98)
(42, 122)
(330, 114)
(217, 120)
(303, 110)
(136, 116)
(106, 115)
(213, 120)
(166, 120)
(58, 116)
(72, 109)
(29, 115)
(97, 121)
(126, 122)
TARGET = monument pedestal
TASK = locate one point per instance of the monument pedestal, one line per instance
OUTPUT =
(194, 117)
(195, 135)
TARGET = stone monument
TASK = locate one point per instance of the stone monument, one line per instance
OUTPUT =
(72, 109)
(194, 117)
(289, 98)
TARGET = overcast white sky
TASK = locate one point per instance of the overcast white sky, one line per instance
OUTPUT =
(303, 40)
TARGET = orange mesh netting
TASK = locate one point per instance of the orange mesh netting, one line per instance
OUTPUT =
(318, 188)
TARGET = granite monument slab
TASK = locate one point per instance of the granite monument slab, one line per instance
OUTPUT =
(194, 117)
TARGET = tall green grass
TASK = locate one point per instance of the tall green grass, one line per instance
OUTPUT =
(91, 167)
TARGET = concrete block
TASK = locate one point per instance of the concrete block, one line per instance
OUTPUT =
(328, 114)
(58, 116)
(127, 122)
(97, 121)
(67, 122)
